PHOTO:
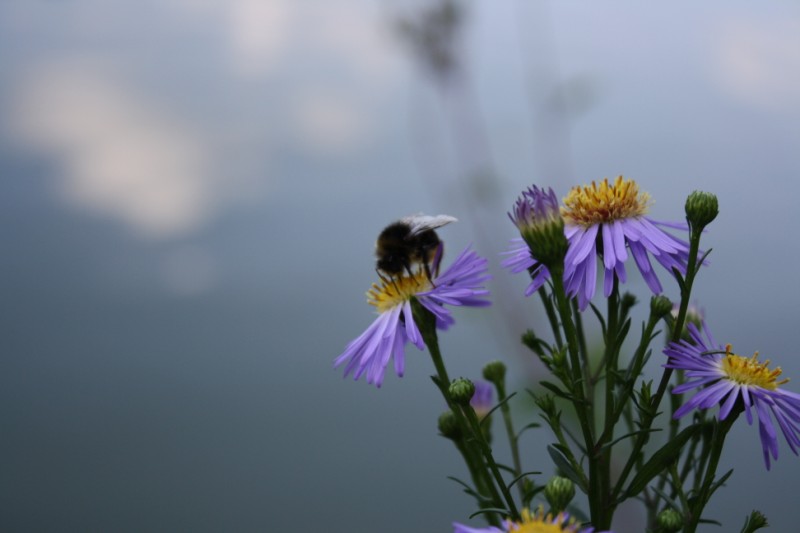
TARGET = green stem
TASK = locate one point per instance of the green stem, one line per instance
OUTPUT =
(610, 357)
(426, 322)
(647, 420)
(479, 437)
(478, 478)
(587, 371)
(512, 438)
(551, 316)
(721, 429)
(582, 406)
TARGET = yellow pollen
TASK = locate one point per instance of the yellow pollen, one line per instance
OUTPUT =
(541, 523)
(595, 204)
(749, 371)
(397, 290)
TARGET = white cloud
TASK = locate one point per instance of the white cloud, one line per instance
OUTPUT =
(328, 121)
(121, 156)
(758, 60)
(259, 30)
(337, 62)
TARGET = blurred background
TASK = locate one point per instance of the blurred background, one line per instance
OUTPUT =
(190, 195)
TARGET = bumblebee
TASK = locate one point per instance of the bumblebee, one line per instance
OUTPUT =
(409, 242)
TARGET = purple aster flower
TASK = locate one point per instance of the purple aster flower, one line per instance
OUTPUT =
(530, 523)
(461, 528)
(607, 220)
(537, 215)
(520, 260)
(724, 378)
(481, 401)
(386, 337)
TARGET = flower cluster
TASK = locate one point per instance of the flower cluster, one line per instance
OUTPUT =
(561, 246)
(600, 221)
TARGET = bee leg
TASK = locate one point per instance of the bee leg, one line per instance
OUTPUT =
(430, 277)
(386, 280)
(437, 261)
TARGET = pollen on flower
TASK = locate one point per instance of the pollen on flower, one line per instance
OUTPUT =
(595, 204)
(749, 371)
(397, 290)
(541, 523)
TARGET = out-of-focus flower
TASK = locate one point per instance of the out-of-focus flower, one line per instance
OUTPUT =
(723, 378)
(694, 315)
(605, 221)
(537, 522)
(481, 401)
(386, 337)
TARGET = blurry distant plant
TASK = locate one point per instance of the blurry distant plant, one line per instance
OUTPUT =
(599, 451)
(433, 35)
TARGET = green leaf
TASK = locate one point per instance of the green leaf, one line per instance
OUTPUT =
(660, 460)
(721, 481)
(703, 257)
(563, 464)
(524, 429)
(679, 279)
(467, 488)
(600, 318)
(496, 407)
(622, 335)
(629, 435)
(671, 502)
(502, 512)
(522, 476)
(555, 389)
(507, 468)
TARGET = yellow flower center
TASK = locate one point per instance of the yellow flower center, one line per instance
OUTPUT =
(595, 204)
(397, 290)
(541, 523)
(749, 371)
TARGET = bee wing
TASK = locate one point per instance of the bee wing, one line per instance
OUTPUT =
(419, 222)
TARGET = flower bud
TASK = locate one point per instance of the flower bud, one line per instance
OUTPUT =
(533, 342)
(546, 403)
(694, 315)
(448, 426)
(701, 209)
(660, 306)
(627, 301)
(560, 360)
(559, 491)
(495, 372)
(645, 398)
(669, 521)
(755, 521)
(461, 391)
(537, 215)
